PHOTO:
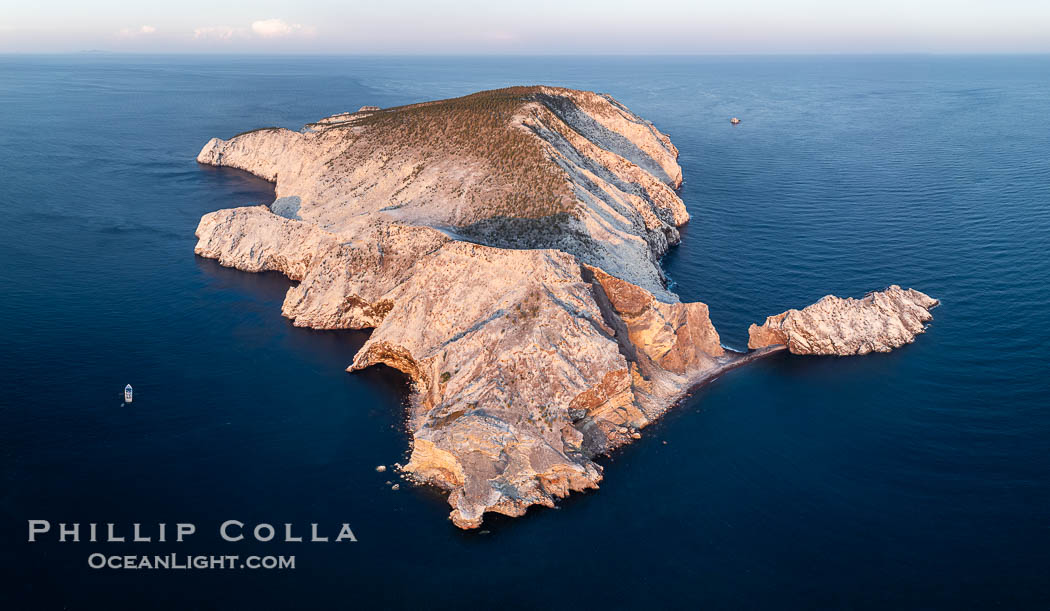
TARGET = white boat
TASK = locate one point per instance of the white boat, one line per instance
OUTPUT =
(735, 121)
(127, 394)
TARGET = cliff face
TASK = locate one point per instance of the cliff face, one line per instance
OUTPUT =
(879, 322)
(504, 246)
(527, 167)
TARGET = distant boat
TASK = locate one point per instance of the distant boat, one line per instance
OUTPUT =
(735, 121)
(127, 394)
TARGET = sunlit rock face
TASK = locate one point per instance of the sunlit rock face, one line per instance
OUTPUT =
(879, 322)
(504, 247)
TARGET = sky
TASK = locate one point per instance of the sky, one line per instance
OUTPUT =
(526, 26)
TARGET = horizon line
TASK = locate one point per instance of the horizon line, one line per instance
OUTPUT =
(494, 55)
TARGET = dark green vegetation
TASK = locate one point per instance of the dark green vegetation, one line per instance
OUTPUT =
(520, 180)
(258, 129)
(551, 231)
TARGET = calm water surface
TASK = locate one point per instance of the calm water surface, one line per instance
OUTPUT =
(918, 479)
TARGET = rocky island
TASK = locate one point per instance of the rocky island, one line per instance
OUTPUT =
(504, 246)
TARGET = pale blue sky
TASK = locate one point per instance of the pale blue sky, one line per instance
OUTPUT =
(528, 26)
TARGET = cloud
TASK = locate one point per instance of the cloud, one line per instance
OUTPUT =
(217, 32)
(263, 28)
(276, 28)
(139, 31)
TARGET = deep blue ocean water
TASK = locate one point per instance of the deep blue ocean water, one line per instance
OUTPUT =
(918, 479)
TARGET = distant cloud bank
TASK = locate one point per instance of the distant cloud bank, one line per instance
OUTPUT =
(276, 28)
(262, 28)
(217, 32)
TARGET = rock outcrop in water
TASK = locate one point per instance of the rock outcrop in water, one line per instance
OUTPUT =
(504, 246)
(879, 322)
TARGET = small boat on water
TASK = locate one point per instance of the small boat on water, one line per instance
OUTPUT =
(735, 121)
(127, 394)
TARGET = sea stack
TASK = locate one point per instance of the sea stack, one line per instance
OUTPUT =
(879, 322)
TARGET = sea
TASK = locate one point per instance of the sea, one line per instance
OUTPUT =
(918, 479)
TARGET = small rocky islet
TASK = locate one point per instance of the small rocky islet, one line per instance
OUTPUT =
(504, 246)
